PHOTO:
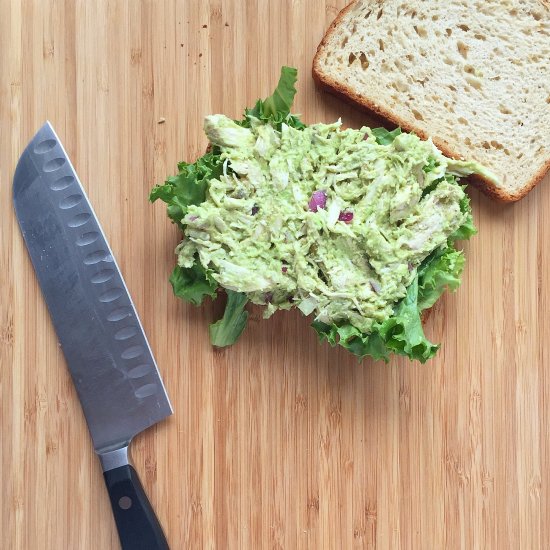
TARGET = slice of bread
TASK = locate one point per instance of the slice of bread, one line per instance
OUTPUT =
(472, 74)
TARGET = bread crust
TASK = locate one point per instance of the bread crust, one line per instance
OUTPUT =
(351, 96)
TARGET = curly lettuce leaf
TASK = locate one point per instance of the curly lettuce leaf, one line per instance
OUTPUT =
(385, 137)
(189, 186)
(442, 270)
(227, 330)
(403, 333)
(276, 107)
(179, 192)
(282, 98)
(352, 339)
(193, 283)
(467, 229)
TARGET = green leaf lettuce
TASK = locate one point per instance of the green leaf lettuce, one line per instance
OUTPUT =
(227, 330)
(193, 283)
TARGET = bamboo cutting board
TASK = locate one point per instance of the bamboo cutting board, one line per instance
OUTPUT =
(277, 442)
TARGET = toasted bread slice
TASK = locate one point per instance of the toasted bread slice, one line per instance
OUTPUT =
(472, 74)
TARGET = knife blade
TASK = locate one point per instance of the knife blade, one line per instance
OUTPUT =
(106, 350)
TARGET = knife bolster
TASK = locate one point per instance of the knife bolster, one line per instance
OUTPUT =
(114, 459)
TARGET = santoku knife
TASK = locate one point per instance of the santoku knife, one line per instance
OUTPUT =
(107, 353)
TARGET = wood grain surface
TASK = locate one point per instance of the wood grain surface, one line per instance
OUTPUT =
(277, 442)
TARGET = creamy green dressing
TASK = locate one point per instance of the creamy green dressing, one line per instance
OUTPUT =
(324, 218)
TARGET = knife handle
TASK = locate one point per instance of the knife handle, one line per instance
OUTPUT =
(137, 524)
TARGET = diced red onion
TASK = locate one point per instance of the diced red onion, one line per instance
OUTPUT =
(318, 200)
(284, 269)
(345, 216)
(255, 209)
(193, 218)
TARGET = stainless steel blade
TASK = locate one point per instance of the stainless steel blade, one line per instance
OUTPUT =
(106, 350)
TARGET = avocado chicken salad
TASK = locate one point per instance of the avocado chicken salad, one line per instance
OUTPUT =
(355, 228)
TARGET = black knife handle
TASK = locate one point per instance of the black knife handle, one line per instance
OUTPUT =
(137, 524)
